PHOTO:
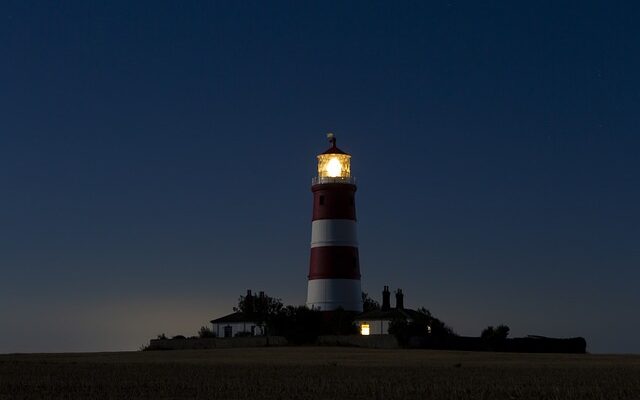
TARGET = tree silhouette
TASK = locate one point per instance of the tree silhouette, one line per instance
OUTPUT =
(369, 304)
(260, 308)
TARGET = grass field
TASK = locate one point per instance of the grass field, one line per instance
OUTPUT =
(318, 373)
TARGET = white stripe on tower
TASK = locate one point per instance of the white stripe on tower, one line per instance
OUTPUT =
(334, 232)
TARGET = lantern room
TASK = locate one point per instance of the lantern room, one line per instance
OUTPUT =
(334, 165)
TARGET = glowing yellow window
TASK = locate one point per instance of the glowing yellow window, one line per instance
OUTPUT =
(364, 329)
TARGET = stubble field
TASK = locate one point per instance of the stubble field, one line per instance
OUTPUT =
(318, 373)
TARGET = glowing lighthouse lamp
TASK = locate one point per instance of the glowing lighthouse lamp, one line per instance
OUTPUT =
(334, 267)
(335, 166)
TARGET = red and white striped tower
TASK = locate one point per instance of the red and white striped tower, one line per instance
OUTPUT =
(334, 270)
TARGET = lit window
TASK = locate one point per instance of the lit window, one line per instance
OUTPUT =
(364, 329)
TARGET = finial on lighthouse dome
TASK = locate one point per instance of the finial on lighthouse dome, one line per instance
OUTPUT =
(333, 149)
(334, 165)
(332, 139)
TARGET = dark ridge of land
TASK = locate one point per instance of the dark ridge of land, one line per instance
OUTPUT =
(318, 373)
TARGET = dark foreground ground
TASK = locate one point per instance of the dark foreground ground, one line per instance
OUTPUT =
(318, 373)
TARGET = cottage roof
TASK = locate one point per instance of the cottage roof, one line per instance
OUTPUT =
(389, 315)
(234, 317)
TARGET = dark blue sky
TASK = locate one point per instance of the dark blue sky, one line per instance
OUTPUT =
(156, 159)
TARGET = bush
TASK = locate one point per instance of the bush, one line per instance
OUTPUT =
(403, 331)
(494, 338)
(206, 332)
(495, 334)
(423, 325)
(299, 325)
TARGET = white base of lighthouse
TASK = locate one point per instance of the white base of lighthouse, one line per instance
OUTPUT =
(331, 294)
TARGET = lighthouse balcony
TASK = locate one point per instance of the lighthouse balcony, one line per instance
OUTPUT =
(333, 179)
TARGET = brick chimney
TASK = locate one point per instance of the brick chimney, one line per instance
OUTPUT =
(386, 299)
(399, 299)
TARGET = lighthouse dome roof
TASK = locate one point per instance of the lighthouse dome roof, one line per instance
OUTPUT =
(335, 150)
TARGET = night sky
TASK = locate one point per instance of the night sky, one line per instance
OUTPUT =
(156, 161)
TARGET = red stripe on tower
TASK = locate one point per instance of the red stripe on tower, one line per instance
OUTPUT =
(334, 268)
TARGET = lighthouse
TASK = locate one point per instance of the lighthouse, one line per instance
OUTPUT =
(334, 267)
